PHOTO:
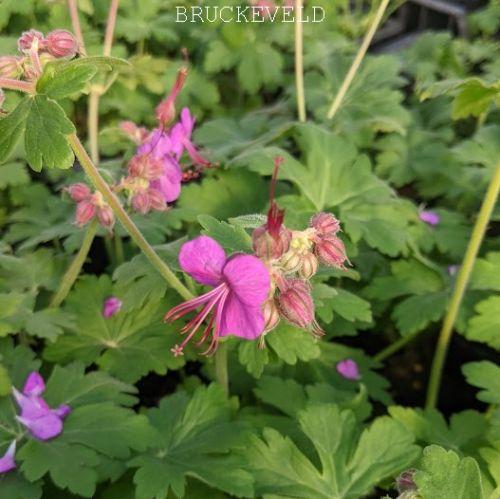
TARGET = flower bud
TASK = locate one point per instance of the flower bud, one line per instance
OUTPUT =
(106, 217)
(269, 247)
(296, 305)
(291, 261)
(165, 111)
(271, 315)
(404, 482)
(79, 191)
(141, 202)
(85, 211)
(30, 39)
(133, 132)
(61, 43)
(330, 251)
(157, 200)
(308, 266)
(111, 307)
(348, 369)
(430, 217)
(325, 224)
(10, 67)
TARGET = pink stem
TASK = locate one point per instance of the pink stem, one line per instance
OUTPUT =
(77, 29)
(22, 86)
(110, 27)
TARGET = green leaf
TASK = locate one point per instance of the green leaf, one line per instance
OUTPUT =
(350, 306)
(486, 273)
(194, 438)
(352, 462)
(12, 128)
(14, 486)
(48, 323)
(252, 357)
(443, 474)
(13, 174)
(231, 237)
(485, 325)
(484, 375)
(45, 138)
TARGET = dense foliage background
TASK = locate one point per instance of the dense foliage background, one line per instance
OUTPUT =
(418, 130)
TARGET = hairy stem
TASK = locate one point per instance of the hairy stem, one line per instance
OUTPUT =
(93, 126)
(75, 267)
(221, 374)
(299, 61)
(22, 86)
(458, 293)
(77, 29)
(358, 59)
(110, 27)
(110, 198)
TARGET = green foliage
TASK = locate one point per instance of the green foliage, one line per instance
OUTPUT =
(483, 327)
(485, 375)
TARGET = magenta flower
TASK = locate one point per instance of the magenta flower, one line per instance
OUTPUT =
(111, 306)
(429, 217)
(241, 285)
(42, 421)
(7, 462)
(348, 369)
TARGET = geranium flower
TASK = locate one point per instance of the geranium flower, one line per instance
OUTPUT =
(111, 306)
(7, 462)
(240, 288)
(42, 421)
(348, 369)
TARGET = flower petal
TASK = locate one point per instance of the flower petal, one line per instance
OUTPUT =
(35, 385)
(7, 462)
(187, 121)
(203, 259)
(31, 406)
(248, 278)
(241, 320)
(62, 411)
(43, 428)
(169, 184)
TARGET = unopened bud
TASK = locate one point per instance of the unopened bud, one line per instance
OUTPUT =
(269, 247)
(291, 260)
(79, 192)
(106, 217)
(165, 111)
(30, 39)
(157, 200)
(404, 482)
(61, 43)
(133, 132)
(308, 266)
(331, 251)
(141, 202)
(10, 67)
(146, 166)
(325, 224)
(85, 211)
(271, 315)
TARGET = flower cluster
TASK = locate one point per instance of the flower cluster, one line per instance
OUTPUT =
(252, 292)
(90, 205)
(37, 50)
(36, 416)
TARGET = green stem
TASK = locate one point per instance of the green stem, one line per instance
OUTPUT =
(299, 62)
(93, 125)
(394, 347)
(460, 286)
(119, 254)
(74, 269)
(221, 367)
(110, 198)
(358, 59)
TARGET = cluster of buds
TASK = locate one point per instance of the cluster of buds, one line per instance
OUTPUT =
(89, 206)
(37, 50)
(293, 258)
(143, 171)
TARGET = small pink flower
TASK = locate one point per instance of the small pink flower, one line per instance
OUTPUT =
(85, 212)
(145, 166)
(430, 217)
(31, 39)
(404, 482)
(241, 286)
(111, 307)
(325, 224)
(348, 369)
(79, 192)
(10, 67)
(7, 462)
(133, 132)
(330, 251)
(61, 43)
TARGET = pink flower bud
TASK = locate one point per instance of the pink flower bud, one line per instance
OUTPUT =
(291, 260)
(330, 251)
(29, 39)
(141, 202)
(146, 166)
(79, 192)
(267, 246)
(85, 211)
(61, 43)
(137, 165)
(106, 217)
(157, 200)
(165, 111)
(111, 306)
(10, 67)
(271, 315)
(348, 369)
(325, 224)
(308, 266)
(430, 217)
(404, 482)
(133, 132)
(296, 305)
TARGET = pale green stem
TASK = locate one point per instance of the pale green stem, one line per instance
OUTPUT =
(460, 286)
(75, 267)
(119, 254)
(111, 199)
(93, 125)
(379, 14)
(221, 374)
(394, 347)
(299, 61)
(110, 27)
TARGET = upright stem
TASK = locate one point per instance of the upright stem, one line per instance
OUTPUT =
(22, 86)
(110, 27)
(77, 29)
(460, 286)
(394, 347)
(93, 126)
(221, 367)
(110, 198)
(74, 269)
(357, 60)
(299, 61)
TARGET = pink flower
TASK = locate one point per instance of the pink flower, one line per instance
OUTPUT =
(133, 132)
(165, 112)
(348, 369)
(7, 462)
(430, 217)
(325, 224)
(111, 307)
(85, 212)
(61, 43)
(79, 192)
(30, 39)
(241, 286)
(42, 421)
